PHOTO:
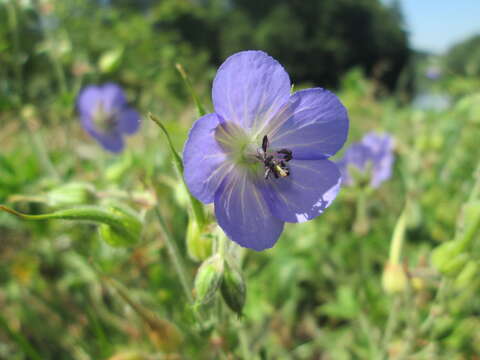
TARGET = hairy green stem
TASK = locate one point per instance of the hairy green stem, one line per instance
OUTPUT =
(195, 205)
(200, 109)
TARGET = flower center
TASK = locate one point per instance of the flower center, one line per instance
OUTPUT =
(244, 152)
(275, 163)
(102, 119)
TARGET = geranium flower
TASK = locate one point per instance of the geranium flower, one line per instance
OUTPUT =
(261, 157)
(106, 116)
(369, 161)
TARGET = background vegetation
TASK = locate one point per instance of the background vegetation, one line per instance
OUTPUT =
(327, 290)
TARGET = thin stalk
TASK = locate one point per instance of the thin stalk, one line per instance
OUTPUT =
(175, 257)
(200, 109)
(412, 324)
(361, 224)
(221, 243)
(195, 205)
(439, 296)
(392, 322)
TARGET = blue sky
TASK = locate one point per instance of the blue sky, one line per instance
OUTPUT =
(435, 25)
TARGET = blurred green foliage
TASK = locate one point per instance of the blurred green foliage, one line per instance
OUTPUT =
(464, 58)
(61, 45)
(67, 294)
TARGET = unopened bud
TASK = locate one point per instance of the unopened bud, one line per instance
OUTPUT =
(455, 265)
(467, 275)
(448, 257)
(110, 60)
(208, 279)
(129, 233)
(199, 242)
(233, 288)
(394, 279)
(74, 193)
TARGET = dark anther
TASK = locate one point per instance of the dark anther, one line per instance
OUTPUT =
(274, 164)
(287, 154)
(265, 143)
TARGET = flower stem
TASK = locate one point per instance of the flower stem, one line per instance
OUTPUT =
(175, 257)
(200, 109)
(439, 297)
(361, 224)
(392, 322)
(221, 243)
(195, 205)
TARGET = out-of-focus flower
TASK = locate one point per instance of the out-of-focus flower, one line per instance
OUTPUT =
(433, 72)
(261, 157)
(369, 161)
(106, 116)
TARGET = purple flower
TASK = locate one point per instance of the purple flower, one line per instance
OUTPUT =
(433, 72)
(370, 159)
(261, 157)
(106, 116)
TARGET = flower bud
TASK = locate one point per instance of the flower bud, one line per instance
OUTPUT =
(131, 227)
(208, 279)
(110, 60)
(199, 242)
(448, 257)
(467, 275)
(394, 279)
(455, 265)
(74, 193)
(233, 288)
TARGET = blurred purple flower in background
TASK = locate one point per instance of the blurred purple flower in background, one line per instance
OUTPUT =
(369, 160)
(261, 157)
(433, 72)
(106, 116)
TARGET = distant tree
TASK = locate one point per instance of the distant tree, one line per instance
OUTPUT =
(320, 40)
(464, 57)
(317, 40)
